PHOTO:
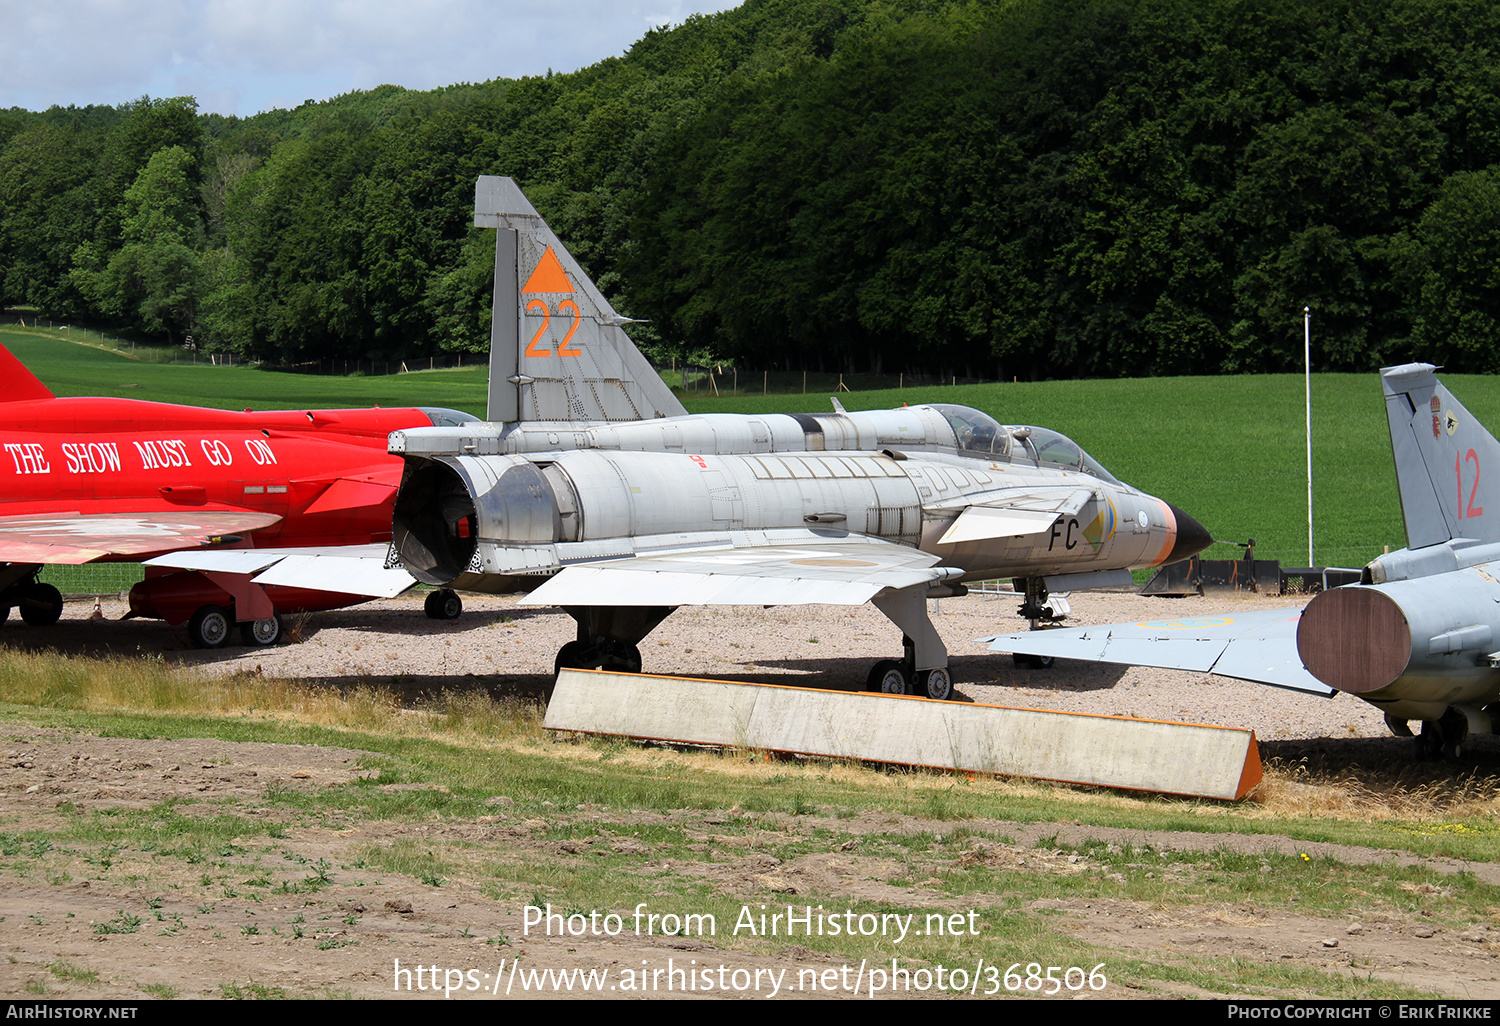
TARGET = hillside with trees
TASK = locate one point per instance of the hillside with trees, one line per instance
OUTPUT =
(1039, 188)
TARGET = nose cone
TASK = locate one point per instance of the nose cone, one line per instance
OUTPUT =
(1192, 537)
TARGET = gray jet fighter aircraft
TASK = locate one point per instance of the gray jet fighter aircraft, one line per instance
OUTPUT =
(592, 488)
(1418, 637)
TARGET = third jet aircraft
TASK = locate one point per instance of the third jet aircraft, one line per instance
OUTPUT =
(1418, 637)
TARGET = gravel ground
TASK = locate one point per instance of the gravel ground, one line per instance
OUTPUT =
(507, 647)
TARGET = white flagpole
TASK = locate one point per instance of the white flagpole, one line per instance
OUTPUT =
(1307, 381)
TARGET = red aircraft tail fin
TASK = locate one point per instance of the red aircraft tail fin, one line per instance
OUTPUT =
(17, 384)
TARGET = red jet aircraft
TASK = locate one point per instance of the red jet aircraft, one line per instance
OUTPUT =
(242, 516)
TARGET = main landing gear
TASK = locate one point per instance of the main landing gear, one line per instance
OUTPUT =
(211, 626)
(896, 677)
(1446, 737)
(39, 604)
(924, 669)
(609, 637)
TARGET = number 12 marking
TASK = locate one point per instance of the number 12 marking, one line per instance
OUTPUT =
(1458, 461)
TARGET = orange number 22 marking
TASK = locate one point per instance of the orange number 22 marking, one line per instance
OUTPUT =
(562, 348)
(531, 349)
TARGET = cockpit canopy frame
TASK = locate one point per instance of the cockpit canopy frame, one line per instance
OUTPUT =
(978, 434)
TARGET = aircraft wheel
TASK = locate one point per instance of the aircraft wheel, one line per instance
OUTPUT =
(262, 632)
(209, 626)
(1397, 726)
(1033, 662)
(1429, 743)
(573, 656)
(443, 605)
(936, 684)
(623, 657)
(41, 605)
(1455, 733)
(889, 678)
(4, 613)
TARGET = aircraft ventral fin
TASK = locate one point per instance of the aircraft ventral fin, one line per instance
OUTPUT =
(1258, 646)
(849, 571)
(347, 493)
(74, 538)
(557, 348)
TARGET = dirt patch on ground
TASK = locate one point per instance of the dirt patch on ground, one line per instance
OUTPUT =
(310, 904)
(306, 911)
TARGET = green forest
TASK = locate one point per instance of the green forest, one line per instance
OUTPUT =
(1030, 189)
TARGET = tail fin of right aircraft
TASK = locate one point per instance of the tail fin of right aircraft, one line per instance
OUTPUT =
(20, 384)
(557, 348)
(1447, 464)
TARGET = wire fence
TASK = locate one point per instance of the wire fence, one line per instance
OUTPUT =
(93, 578)
(136, 350)
(720, 379)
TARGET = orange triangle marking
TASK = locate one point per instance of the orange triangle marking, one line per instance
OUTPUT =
(548, 276)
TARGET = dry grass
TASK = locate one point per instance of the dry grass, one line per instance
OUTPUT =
(151, 686)
(1416, 793)
(1407, 791)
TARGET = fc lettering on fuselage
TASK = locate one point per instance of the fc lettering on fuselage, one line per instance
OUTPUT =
(1067, 535)
(1071, 532)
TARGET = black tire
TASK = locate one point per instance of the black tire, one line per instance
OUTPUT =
(443, 605)
(622, 657)
(4, 613)
(936, 684)
(209, 627)
(1455, 734)
(1429, 743)
(573, 656)
(1033, 662)
(262, 633)
(888, 677)
(41, 605)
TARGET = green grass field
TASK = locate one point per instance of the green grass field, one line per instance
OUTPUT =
(1228, 450)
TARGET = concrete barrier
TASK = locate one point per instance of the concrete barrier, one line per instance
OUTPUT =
(1078, 748)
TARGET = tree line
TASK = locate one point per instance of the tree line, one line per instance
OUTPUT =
(1044, 188)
